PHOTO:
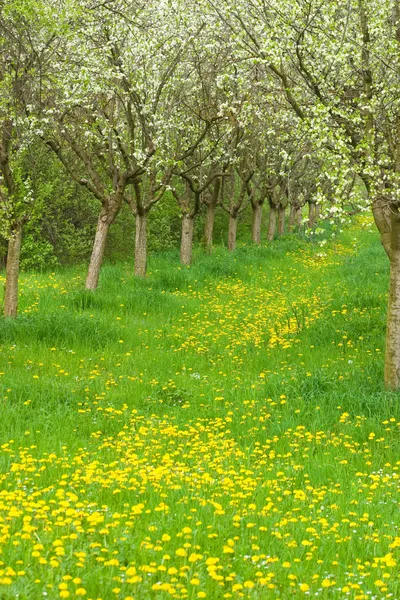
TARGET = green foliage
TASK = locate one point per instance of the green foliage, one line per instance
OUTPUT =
(37, 254)
(63, 218)
(165, 225)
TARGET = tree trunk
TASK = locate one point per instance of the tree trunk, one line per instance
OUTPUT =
(232, 232)
(209, 227)
(272, 223)
(299, 217)
(312, 214)
(281, 220)
(187, 239)
(392, 360)
(99, 246)
(382, 216)
(141, 245)
(12, 273)
(292, 217)
(257, 222)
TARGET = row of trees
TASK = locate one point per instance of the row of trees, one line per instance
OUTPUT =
(230, 103)
(132, 109)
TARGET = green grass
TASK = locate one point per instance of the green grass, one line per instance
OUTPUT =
(214, 432)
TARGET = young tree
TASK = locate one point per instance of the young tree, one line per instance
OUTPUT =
(258, 196)
(302, 190)
(235, 194)
(117, 82)
(147, 192)
(204, 126)
(296, 204)
(273, 202)
(258, 185)
(211, 199)
(196, 181)
(26, 41)
(276, 188)
(282, 214)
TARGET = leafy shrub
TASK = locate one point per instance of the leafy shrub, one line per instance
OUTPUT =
(37, 254)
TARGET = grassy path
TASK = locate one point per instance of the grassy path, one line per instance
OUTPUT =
(218, 432)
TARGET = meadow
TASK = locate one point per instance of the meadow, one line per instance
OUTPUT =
(219, 431)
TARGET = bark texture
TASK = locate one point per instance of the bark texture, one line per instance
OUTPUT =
(209, 227)
(257, 222)
(187, 240)
(272, 223)
(12, 273)
(141, 246)
(392, 359)
(381, 212)
(99, 246)
(299, 217)
(312, 215)
(281, 220)
(212, 203)
(233, 220)
(292, 217)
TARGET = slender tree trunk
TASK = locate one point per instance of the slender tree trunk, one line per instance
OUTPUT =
(99, 246)
(312, 214)
(12, 272)
(209, 227)
(210, 218)
(257, 222)
(187, 239)
(299, 217)
(233, 220)
(272, 223)
(141, 245)
(292, 217)
(281, 220)
(392, 361)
